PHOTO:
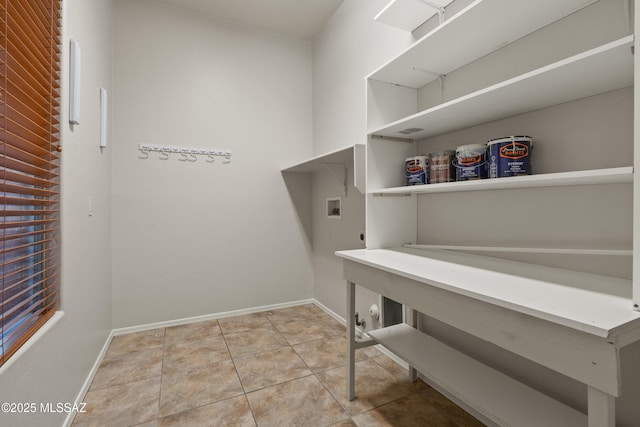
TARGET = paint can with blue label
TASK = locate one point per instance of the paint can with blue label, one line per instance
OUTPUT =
(416, 170)
(471, 162)
(510, 156)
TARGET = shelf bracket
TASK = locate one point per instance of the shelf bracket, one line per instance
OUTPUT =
(339, 172)
(431, 73)
(438, 9)
(392, 138)
(392, 194)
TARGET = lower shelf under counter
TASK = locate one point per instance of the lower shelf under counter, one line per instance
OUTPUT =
(494, 395)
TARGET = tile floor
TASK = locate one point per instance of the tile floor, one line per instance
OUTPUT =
(278, 368)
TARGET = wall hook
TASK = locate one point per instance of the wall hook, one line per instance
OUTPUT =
(146, 154)
(164, 155)
(211, 158)
(192, 157)
(226, 160)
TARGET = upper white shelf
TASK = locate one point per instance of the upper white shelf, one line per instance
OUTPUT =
(475, 31)
(562, 179)
(599, 70)
(409, 14)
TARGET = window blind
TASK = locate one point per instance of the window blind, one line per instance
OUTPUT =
(29, 164)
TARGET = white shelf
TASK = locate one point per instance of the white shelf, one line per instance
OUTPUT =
(469, 380)
(475, 31)
(352, 155)
(603, 69)
(591, 303)
(561, 179)
(409, 14)
(343, 156)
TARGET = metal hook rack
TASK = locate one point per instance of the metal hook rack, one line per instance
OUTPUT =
(187, 154)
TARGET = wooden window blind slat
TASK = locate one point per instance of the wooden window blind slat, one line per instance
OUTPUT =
(35, 66)
(18, 201)
(20, 166)
(15, 148)
(17, 236)
(22, 89)
(21, 266)
(29, 167)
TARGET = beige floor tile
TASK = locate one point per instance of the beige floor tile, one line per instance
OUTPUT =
(242, 344)
(231, 412)
(270, 367)
(246, 322)
(326, 353)
(299, 332)
(191, 354)
(399, 372)
(303, 402)
(417, 410)
(199, 386)
(192, 332)
(297, 313)
(374, 386)
(129, 343)
(128, 367)
(122, 405)
(372, 351)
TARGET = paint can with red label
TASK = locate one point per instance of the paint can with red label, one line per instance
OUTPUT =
(416, 170)
(471, 162)
(509, 156)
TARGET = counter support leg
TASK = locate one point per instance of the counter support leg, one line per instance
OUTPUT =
(351, 341)
(601, 408)
(413, 372)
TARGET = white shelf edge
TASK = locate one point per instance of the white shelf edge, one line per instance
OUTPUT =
(498, 249)
(522, 93)
(408, 15)
(490, 13)
(467, 380)
(561, 179)
(340, 155)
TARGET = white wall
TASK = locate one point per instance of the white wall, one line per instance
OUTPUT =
(54, 367)
(350, 46)
(197, 238)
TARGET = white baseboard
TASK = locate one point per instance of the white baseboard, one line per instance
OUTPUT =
(186, 320)
(87, 383)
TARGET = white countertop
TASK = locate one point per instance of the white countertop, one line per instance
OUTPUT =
(596, 304)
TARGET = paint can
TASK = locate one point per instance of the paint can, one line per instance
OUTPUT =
(471, 162)
(510, 156)
(441, 167)
(416, 170)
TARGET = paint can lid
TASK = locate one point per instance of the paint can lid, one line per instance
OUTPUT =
(516, 138)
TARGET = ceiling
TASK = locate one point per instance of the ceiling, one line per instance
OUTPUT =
(296, 18)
